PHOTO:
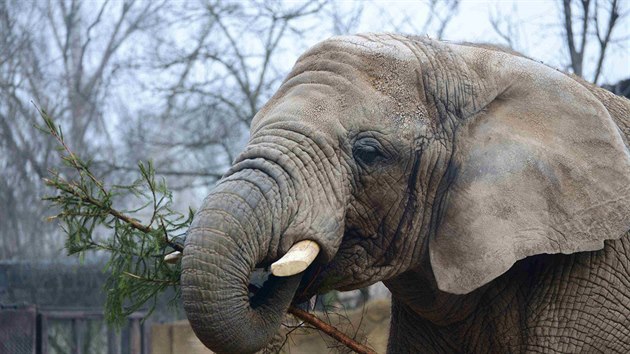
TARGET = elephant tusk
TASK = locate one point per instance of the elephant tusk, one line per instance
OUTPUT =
(173, 257)
(296, 260)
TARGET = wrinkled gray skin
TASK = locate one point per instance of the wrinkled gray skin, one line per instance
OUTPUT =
(479, 185)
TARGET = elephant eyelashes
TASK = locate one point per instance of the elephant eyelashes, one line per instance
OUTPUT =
(368, 151)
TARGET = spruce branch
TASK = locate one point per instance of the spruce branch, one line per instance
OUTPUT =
(137, 272)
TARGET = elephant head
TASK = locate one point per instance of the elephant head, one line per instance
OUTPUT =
(395, 153)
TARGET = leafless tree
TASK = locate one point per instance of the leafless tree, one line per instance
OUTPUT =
(587, 32)
(221, 78)
(433, 21)
(62, 56)
(587, 20)
(441, 12)
(506, 27)
(346, 21)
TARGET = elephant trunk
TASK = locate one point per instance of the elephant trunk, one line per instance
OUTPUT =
(252, 217)
(233, 233)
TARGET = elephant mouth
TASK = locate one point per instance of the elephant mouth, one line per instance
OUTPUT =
(300, 260)
(317, 277)
(321, 277)
(262, 284)
(262, 281)
(311, 283)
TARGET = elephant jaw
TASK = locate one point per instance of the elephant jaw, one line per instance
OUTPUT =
(297, 259)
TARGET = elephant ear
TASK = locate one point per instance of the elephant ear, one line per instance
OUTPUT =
(539, 168)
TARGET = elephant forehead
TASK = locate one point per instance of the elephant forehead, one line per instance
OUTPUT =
(386, 63)
(383, 45)
(317, 105)
(352, 82)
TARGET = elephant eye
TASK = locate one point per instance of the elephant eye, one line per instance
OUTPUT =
(367, 151)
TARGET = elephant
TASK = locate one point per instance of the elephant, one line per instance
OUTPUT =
(488, 191)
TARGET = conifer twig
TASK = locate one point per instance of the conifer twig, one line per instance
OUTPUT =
(137, 272)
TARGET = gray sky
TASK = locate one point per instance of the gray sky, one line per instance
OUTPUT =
(536, 25)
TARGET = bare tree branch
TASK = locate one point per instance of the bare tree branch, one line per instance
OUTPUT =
(505, 27)
(603, 20)
(605, 40)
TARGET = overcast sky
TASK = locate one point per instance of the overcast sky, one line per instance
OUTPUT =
(536, 25)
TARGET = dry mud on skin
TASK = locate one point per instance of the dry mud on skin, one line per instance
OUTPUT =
(178, 337)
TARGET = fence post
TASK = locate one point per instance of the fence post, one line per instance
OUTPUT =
(43, 334)
(113, 341)
(135, 337)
